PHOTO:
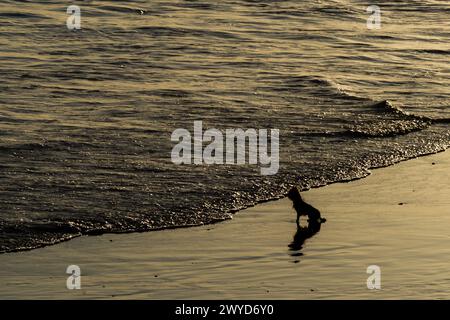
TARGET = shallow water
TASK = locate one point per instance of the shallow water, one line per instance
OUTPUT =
(86, 116)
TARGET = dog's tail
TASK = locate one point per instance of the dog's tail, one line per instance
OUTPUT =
(318, 220)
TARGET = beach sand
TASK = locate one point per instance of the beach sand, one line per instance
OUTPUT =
(398, 219)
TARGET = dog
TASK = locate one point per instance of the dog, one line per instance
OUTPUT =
(304, 209)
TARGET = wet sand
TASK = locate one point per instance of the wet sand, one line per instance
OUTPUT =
(398, 218)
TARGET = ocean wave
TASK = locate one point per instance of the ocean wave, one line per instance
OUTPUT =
(87, 116)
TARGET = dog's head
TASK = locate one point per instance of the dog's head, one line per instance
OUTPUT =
(294, 195)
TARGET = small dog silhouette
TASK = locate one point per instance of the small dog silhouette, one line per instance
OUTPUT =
(304, 209)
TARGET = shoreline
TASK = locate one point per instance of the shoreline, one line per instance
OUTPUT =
(249, 256)
(94, 233)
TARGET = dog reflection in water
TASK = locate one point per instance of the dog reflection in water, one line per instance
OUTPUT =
(315, 221)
